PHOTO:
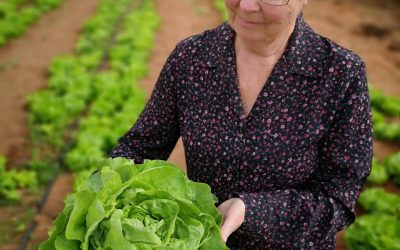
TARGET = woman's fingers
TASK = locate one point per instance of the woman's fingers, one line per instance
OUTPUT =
(233, 215)
(227, 228)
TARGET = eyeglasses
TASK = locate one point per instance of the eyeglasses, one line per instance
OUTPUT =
(275, 2)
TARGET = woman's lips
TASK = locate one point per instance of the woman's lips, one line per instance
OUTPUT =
(248, 23)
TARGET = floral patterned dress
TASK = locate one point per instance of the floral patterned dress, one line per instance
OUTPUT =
(298, 160)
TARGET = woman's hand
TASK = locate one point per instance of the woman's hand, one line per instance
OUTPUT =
(233, 211)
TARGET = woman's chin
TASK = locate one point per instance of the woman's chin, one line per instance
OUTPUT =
(248, 35)
(248, 31)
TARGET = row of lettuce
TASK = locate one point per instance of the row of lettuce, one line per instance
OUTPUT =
(379, 227)
(17, 15)
(121, 207)
(92, 97)
(385, 111)
(12, 181)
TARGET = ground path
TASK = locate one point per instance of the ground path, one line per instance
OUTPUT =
(179, 19)
(24, 63)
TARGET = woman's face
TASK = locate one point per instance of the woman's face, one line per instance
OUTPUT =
(257, 20)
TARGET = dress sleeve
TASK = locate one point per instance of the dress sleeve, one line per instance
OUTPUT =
(156, 131)
(304, 218)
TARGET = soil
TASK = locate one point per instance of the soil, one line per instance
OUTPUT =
(15, 219)
(53, 206)
(371, 28)
(24, 64)
(199, 15)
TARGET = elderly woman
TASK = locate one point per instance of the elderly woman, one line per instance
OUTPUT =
(274, 117)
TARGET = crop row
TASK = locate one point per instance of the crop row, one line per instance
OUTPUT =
(379, 227)
(11, 181)
(17, 15)
(92, 96)
(71, 86)
(75, 82)
(387, 169)
(107, 120)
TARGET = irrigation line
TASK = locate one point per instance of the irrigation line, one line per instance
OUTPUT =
(33, 224)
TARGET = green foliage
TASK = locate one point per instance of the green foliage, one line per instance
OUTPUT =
(107, 120)
(378, 173)
(53, 109)
(374, 232)
(144, 206)
(392, 165)
(45, 170)
(377, 200)
(17, 15)
(220, 6)
(383, 105)
(72, 84)
(11, 181)
(380, 229)
(389, 105)
(383, 130)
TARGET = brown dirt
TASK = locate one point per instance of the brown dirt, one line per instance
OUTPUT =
(175, 26)
(384, 149)
(23, 70)
(54, 205)
(370, 29)
(12, 217)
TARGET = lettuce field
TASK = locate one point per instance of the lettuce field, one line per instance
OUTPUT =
(75, 75)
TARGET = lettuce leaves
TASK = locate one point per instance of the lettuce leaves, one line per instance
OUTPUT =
(380, 228)
(138, 207)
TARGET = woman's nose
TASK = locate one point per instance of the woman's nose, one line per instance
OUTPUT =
(249, 5)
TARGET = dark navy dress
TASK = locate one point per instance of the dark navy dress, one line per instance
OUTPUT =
(298, 160)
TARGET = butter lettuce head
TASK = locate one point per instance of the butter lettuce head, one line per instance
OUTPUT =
(138, 207)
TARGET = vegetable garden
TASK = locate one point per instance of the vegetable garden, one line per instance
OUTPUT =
(93, 94)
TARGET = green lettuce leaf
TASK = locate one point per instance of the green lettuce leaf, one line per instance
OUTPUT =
(145, 206)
